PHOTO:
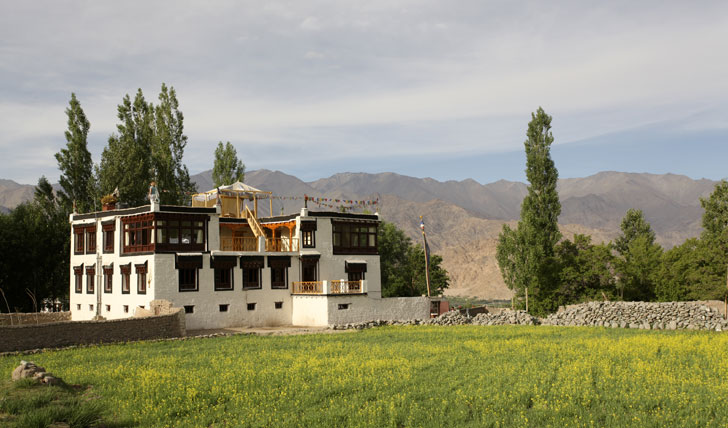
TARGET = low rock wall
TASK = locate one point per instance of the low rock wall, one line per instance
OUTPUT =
(645, 315)
(68, 333)
(25, 318)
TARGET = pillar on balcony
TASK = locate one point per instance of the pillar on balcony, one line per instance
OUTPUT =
(261, 244)
(326, 287)
(363, 286)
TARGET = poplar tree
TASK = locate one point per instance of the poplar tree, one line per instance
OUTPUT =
(148, 146)
(227, 168)
(526, 254)
(74, 161)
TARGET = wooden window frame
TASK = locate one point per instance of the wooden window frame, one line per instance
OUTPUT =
(167, 225)
(308, 234)
(183, 273)
(279, 264)
(312, 262)
(248, 274)
(137, 233)
(125, 278)
(90, 279)
(346, 238)
(79, 233)
(109, 279)
(141, 271)
(78, 274)
(224, 279)
(108, 230)
(91, 239)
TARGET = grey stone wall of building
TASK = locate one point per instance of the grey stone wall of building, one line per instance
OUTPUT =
(68, 333)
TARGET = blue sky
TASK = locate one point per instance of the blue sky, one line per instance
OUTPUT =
(423, 88)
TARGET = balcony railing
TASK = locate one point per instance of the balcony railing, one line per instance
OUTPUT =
(250, 243)
(329, 287)
(247, 243)
(281, 244)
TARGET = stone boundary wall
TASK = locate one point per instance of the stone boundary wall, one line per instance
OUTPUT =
(644, 315)
(363, 309)
(68, 333)
(24, 318)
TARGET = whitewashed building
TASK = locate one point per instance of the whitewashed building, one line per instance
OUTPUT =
(226, 267)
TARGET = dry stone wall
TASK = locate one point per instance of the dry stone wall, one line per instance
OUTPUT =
(68, 333)
(33, 318)
(644, 315)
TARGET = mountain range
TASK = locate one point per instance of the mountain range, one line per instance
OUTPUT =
(464, 218)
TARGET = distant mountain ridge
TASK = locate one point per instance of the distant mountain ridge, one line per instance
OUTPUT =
(464, 217)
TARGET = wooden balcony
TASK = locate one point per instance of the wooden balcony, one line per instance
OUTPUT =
(329, 287)
(275, 245)
(239, 244)
(250, 243)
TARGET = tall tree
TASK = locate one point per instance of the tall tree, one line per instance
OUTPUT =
(227, 168)
(126, 162)
(170, 172)
(633, 225)
(526, 255)
(148, 146)
(74, 161)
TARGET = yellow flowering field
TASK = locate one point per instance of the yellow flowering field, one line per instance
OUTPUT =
(506, 376)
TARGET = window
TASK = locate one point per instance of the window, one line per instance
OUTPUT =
(356, 270)
(108, 308)
(138, 233)
(308, 234)
(251, 271)
(224, 266)
(279, 271)
(126, 309)
(309, 268)
(125, 278)
(179, 232)
(224, 308)
(187, 272)
(189, 309)
(78, 234)
(78, 273)
(343, 306)
(91, 239)
(91, 308)
(141, 271)
(251, 306)
(78, 306)
(251, 278)
(108, 278)
(187, 279)
(354, 238)
(279, 305)
(90, 273)
(108, 230)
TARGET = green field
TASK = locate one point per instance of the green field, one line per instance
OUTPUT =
(409, 376)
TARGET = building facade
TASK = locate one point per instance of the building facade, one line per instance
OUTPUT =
(309, 268)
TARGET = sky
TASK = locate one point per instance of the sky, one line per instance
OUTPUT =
(441, 89)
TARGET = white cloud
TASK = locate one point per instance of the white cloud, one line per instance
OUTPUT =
(286, 74)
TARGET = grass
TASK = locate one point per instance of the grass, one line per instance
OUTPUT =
(507, 376)
(28, 404)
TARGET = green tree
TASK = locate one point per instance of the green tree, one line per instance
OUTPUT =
(633, 225)
(148, 145)
(526, 254)
(715, 217)
(34, 250)
(74, 161)
(170, 172)
(586, 271)
(638, 269)
(402, 265)
(227, 168)
(694, 270)
(126, 161)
